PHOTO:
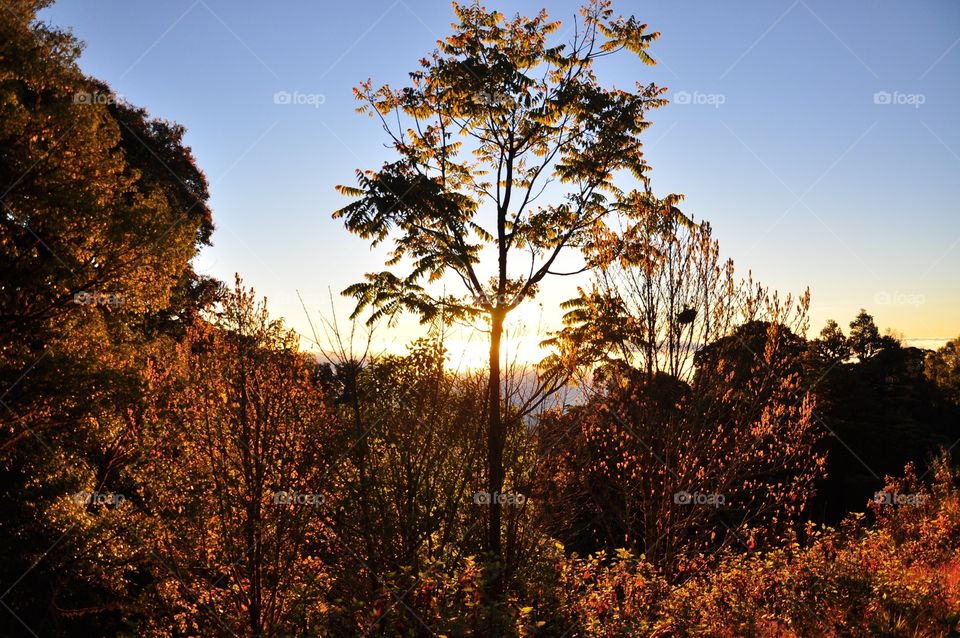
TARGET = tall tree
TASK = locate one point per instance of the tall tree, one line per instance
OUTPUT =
(101, 210)
(507, 144)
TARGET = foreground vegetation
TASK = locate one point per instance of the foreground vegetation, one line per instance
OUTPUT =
(174, 464)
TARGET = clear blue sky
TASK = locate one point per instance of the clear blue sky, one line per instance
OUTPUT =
(805, 178)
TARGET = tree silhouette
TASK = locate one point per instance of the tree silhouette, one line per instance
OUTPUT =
(943, 368)
(865, 340)
(831, 347)
(507, 143)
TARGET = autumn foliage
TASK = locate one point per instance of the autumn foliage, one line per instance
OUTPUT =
(174, 461)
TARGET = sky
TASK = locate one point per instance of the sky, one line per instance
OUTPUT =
(820, 139)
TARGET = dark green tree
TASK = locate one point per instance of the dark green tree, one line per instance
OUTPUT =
(865, 340)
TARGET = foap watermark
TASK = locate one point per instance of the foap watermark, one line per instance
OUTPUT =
(699, 498)
(98, 299)
(496, 300)
(895, 298)
(296, 498)
(493, 98)
(716, 100)
(296, 98)
(895, 498)
(897, 98)
(486, 498)
(95, 97)
(98, 498)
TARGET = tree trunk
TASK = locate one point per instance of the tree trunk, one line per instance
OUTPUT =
(496, 439)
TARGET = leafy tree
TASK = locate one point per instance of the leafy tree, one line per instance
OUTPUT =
(865, 340)
(507, 143)
(831, 346)
(101, 210)
(694, 388)
(234, 497)
(943, 368)
(883, 412)
(405, 481)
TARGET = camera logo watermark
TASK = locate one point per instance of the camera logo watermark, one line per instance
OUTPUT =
(296, 98)
(493, 98)
(716, 100)
(697, 498)
(894, 498)
(98, 498)
(296, 498)
(98, 299)
(484, 299)
(897, 98)
(87, 97)
(887, 298)
(486, 498)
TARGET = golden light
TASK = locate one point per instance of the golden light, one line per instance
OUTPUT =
(523, 332)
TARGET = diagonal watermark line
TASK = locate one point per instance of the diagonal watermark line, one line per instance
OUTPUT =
(17, 416)
(158, 40)
(938, 60)
(19, 619)
(930, 466)
(14, 438)
(760, 359)
(829, 170)
(44, 354)
(757, 41)
(937, 261)
(399, 600)
(178, 21)
(183, 216)
(839, 39)
(37, 562)
(816, 181)
(679, 479)
(659, 139)
(854, 454)
(25, 373)
(161, 562)
(800, 197)
(239, 39)
(350, 48)
(37, 237)
(42, 157)
(662, 62)
(392, 593)
(244, 154)
(813, 412)
(187, 589)
(939, 139)
(842, 242)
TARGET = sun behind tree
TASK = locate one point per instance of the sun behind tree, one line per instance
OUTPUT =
(507, 143)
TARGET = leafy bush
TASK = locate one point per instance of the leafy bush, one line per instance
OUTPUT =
(897, 577)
